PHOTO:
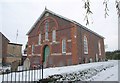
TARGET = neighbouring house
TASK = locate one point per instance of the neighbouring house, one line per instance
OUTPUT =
(3, 48)
(14, 53)
(59, 41)
(9, 52)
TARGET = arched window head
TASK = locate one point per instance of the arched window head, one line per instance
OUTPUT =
(85, 45)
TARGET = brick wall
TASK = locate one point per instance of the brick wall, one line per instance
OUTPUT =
(74, 36)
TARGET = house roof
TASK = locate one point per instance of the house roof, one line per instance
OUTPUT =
(15, 44)
(4, 37)
(49, 11)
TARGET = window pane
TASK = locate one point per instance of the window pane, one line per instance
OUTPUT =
(99, 47)
(39, 39)
(85, 45)
(46, 35)
(63, 46)
(32, 49)
(46, 30)
(54, 35)
(46, 26)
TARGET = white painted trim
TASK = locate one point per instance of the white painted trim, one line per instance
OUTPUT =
(85, 52)
(46, 39)
(69, 40)
(30, 55)
(37, 54)
(55, 42)
(56, 54)
(69, 53)
(36, 45)
(39, 44)
(34, 55)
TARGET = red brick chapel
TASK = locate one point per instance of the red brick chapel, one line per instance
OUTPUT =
(59, 41)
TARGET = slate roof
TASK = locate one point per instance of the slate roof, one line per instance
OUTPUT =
(51, 12)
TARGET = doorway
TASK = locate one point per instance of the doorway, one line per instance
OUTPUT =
(46, 53)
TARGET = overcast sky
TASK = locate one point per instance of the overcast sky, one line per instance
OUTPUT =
(22, 14)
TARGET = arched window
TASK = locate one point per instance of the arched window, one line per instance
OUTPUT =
(99, 47)
(63, 46)
(46, 30)
(54, 35)
(85, 45)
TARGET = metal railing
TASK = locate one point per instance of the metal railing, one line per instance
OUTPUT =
(33, 74)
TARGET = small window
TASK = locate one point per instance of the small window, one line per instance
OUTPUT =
(63, 46)
(85, 45)
(46, 30)
(99, 47)
(46, 26)
(32, 49)
(54, 35)
(97, 58)
(46, 35)
(39, 39)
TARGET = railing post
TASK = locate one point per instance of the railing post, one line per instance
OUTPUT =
(3, 75)
(42, 69)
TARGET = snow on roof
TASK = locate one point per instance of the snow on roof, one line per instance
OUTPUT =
(46, 10)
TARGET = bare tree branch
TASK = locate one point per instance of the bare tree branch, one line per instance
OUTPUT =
(106, 9)
(88, 10)
(117, 3)
(105, 3)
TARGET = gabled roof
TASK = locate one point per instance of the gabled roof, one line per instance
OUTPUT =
(46, 10)
(15, 44)
(4, 36)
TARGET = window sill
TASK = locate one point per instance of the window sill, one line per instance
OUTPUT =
(64, 53)
(86, 53)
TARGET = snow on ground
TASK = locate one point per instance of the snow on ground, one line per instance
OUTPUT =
(97, 71)
(110, 74)
(101, 71)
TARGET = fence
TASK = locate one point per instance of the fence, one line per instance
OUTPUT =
(21, 75)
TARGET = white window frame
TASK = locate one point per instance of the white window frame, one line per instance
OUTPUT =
(54, 35)
(64, 46)
(39, 39)
(99, 47)
(85, 45)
